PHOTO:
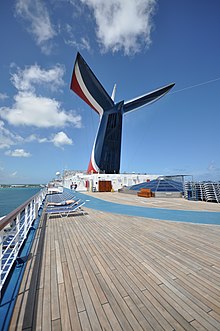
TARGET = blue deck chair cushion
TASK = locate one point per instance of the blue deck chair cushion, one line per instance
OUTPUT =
(64, 211)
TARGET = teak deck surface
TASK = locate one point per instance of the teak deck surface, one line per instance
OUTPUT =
(102, 271)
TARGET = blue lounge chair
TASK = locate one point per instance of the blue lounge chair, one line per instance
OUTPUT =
(60, 197)
(52, 207)
(65, 211)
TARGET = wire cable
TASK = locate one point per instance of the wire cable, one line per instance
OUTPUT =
(192, 86)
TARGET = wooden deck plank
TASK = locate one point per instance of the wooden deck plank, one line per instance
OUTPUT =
(137, 300)
(215, 315)
(188, 306)
(207, 283)
(188, 294)
(61, 241)
(206, 273)
(47, 245)
(144, 322)
(91, 269)
(46, 322)
(14, 323)
(115, 272)
(109, 271)
(74, 280)
(206, 290)
(172, 322)
(199, 294)
(87, 276)
(56, 325)
(138, 303)
(111, 317)
(98, 313)
(198, 326)
(64, 310)
(85, 321)
(114, 304)
(158, 327)
(37, 323)
(117, 296)
(29, 311)
(171, 309)
(60, 278)
(89, 306)
(55, 308)
(74, 318)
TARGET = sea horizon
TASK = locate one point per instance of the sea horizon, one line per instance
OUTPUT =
(13, 197)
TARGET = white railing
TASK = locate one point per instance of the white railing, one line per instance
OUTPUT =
(14, 229)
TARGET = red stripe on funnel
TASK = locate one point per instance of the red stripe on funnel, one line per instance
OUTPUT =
(90, 169)
(77, 89)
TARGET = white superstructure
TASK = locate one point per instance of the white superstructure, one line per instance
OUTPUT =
(90, 182)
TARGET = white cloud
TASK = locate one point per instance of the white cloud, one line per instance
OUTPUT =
(14, 174)
(61, 139)
(31, 76)
(82, 44)
(18, 153)
(123, 24)
(29, 109)
(8, 138)
(34, 137)
(41, 112)
(3, 96)
(212, 167)
(210, 173)
(7, 176)
(36, 14)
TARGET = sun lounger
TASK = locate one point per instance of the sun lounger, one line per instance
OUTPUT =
(65, 211)
(52, 207)
(60, 197)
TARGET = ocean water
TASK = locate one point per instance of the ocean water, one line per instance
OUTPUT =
(11, 198)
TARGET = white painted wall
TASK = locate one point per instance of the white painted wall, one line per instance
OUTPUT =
(90, 182)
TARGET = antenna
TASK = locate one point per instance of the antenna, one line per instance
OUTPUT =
(113, 92)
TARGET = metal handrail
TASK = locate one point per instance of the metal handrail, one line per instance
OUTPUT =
(7, 219)
(12, 237)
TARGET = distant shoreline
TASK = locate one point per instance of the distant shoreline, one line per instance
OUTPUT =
(2, 186)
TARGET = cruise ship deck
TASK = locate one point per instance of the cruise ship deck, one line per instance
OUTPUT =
(106, 271)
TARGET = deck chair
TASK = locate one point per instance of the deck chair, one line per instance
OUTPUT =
(51, 207)
(60, 197)
(65, 211)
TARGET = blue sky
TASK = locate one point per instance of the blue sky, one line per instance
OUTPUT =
(139, 44)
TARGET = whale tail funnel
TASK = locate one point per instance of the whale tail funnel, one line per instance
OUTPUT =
(106, 150)
(85, 84)
(146, 98)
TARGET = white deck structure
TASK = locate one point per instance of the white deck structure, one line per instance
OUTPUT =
(89, 182)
